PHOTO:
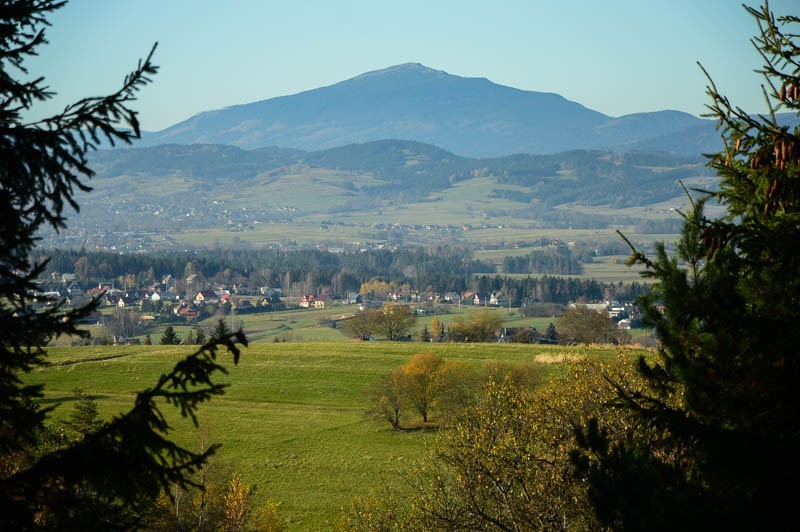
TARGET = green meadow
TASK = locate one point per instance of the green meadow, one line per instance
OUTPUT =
(293, 420)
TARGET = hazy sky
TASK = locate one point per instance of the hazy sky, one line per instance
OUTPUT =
(613, 56)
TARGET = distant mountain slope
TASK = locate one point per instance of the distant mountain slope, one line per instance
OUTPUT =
(408, 171)
(468, 116)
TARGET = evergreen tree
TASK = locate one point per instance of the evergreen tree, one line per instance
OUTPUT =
(200, 336)
(170, 337)
(551, 333)
(104, 480)
(221, 329)
(425, 335)
(85, 417)
(727, 313)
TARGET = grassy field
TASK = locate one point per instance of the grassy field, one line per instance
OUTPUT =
(292, 422)
(323, 211)
(322, 325)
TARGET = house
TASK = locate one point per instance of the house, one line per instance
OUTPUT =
(306, 301)
(479, 299)
(322, 301)
(496, 300)
(169, 296)
(185, 310)
(450, 297)
(188, 312)
(267, 291)
(243, 305)
(135, 295)
(205, 297)
(163, 296)
(273, 302)
(111, 300)
(127, 302)
(353, 298)
(615, 309)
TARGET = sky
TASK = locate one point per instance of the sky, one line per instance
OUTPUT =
(613, 56)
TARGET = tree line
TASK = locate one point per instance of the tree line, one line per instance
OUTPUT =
(438, 269)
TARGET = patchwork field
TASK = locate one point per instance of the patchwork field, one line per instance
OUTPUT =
(293, 420)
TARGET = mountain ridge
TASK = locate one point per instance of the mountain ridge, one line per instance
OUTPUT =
(472, 117)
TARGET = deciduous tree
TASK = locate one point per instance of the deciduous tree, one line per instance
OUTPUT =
(507, 463)
(583, 325)
(362, 325)
(394, 321)
(482, 326)
(425, 384)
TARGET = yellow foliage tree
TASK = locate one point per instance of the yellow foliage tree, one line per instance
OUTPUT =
(377, 289)
(236, 504)
(507, 464)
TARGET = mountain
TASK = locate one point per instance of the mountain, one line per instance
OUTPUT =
(468, 116)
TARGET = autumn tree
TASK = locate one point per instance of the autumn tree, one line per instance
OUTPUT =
(423, 383)
(583, 325)
(482, 326)
(376, 289)
(525, 335)
(394, 321)
(236, 504)
(437, 329)
(507, 462)
(220, 499)
(426, 383)
(104, 480)
(726, 309)
(387, 397)
(361, 325)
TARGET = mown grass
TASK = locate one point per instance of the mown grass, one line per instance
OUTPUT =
(293, 419)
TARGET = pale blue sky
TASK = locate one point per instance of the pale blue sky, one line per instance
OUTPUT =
(613, 56)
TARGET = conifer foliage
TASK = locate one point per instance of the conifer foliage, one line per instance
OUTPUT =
(727, 313)
(101, 480)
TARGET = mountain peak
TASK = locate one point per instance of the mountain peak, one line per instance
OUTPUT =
(403, 67)
(464, 115)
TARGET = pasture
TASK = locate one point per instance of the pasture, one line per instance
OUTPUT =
(293, 420)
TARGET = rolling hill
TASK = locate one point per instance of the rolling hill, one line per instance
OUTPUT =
(189, 188)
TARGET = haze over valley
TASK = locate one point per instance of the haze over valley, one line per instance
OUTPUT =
(407, 155)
